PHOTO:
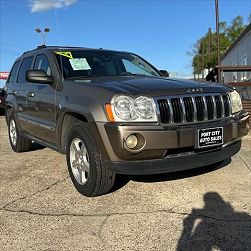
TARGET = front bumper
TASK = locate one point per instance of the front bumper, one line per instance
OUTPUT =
(167, 148)
(175, 163)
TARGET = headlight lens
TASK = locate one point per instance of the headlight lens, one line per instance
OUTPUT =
(140, 109)
(236, 103)
(123, 106)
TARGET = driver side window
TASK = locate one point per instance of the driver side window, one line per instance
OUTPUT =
(42, 63)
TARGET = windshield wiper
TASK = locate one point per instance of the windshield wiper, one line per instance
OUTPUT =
(77, 77)
(127, 73)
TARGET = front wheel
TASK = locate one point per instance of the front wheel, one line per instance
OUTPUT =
(88, 172)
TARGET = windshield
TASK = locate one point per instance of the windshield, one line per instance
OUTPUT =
(87, 64)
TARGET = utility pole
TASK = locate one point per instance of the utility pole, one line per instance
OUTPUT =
(209, 49)
(218, 38)
(203, 58)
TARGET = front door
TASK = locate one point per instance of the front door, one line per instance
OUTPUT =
(41, 104)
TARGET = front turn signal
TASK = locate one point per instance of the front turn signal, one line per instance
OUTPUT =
(109, 112)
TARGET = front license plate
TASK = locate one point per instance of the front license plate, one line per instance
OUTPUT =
(210, 137)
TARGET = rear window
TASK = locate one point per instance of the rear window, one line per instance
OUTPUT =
(13, 73)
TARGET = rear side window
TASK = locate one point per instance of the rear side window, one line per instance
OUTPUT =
(13, 73)
(42, 63)
(25, 66)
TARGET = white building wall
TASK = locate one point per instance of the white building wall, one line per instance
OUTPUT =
(240, 54)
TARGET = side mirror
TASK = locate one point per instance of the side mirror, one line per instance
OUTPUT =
(38, 76)
(164, 73)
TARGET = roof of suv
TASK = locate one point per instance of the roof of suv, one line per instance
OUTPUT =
(42, 47)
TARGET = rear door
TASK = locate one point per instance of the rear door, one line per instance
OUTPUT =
(41, 104)
(17, 89)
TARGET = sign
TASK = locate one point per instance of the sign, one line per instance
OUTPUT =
(210, 137)
(4, 75)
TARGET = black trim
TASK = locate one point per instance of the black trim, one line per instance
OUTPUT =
(42, 142)
(175, 163)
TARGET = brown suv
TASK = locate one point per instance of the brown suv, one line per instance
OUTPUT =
(113, 112)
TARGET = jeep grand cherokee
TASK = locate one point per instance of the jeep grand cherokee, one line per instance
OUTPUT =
(112, 112)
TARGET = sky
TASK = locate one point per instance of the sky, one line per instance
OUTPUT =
(161, 31)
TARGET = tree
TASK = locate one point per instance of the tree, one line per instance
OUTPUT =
(228, 33)
(235, 29)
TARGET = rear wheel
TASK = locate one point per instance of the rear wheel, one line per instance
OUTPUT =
(18, 142)
(88, 171)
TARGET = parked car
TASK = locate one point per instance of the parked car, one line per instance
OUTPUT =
(112, 112)
(2, 100)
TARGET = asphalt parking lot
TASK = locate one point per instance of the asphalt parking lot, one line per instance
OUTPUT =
(204, 209)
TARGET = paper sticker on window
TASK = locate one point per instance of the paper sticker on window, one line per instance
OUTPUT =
(79, 64)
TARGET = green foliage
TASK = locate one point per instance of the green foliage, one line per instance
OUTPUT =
(228, 33)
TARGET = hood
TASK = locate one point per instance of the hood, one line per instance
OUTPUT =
(155, 86)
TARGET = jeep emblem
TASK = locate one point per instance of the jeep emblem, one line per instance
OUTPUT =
(194, 90)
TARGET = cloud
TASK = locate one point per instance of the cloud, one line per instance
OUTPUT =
(45, 5)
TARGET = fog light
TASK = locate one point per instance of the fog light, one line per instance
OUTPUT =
(131, 141)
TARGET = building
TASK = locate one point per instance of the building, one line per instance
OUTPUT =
(239, 53)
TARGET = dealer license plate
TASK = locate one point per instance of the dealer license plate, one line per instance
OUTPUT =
(210, 137)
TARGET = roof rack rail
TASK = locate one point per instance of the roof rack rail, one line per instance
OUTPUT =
(41, 46)
(38, 48)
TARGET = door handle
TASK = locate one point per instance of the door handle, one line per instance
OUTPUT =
(14, 92)
(31, 94)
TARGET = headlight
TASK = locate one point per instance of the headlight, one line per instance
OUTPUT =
(236, 104)
(140, 109)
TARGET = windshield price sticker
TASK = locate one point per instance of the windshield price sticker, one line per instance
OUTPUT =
(210, 137)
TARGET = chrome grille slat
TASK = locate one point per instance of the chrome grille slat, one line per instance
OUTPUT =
(214, 106)
(171, 111)
(194, 108)
(222, 107)
(205, 107)
(226, 102)
(183, 110)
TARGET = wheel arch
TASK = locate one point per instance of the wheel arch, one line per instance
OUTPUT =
(73, 118)
(68, 119)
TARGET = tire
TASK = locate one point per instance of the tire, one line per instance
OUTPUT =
(18, 142)
(88, 171)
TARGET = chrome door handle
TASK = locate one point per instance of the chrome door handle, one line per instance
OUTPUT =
(31, 94)
(14, 92)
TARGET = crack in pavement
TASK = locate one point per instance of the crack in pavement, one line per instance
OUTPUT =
(170, 211)
(245, 163)
(33, 194)
(101, 228)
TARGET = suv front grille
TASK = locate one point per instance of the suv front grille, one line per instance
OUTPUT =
(196, 108)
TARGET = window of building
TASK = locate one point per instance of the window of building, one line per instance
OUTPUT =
(244, 61)
(234, 74)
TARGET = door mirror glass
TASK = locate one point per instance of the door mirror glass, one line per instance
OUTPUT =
(164, 73)
(38, 76)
